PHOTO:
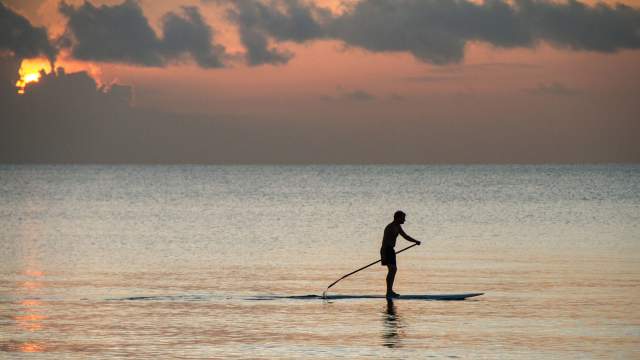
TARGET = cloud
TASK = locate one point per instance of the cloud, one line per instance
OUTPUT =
(437, 31)
(9, 66)
(18, 36)
(432, 78)
(575, 25)
(283, 20)
(349, 96)
(553, 88)
(433, 31)
(258, 51)
(121, 33)
(359, 95)
(190, 34)
(60, 91)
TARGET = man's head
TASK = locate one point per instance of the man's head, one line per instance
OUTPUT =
(399, 216)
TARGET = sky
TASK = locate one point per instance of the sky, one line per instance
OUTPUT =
(294, 81)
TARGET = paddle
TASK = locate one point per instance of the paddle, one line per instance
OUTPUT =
(324, 293)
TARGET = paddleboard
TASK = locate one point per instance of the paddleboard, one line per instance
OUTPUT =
(408, 297)
(347, 297)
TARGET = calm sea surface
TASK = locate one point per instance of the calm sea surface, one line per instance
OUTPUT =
(169, 261)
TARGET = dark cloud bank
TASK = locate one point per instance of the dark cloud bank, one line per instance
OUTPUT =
(121, 33)
(435, 31)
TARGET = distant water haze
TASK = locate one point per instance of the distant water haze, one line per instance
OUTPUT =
(167, 261)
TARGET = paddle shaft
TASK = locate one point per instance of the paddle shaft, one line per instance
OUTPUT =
(366, 266)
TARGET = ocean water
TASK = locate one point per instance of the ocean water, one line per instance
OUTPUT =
(215, 262)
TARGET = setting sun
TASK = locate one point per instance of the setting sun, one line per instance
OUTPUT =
(30, 72)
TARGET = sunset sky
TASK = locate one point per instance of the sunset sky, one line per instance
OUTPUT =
(292, 81)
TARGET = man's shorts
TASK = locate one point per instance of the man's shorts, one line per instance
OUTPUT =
(388, 256)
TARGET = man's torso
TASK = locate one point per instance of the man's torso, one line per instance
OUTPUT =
(391, 232)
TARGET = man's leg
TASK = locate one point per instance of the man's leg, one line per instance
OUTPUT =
(391, 276)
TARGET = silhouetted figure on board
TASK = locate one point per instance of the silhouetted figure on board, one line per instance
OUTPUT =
(387, 251)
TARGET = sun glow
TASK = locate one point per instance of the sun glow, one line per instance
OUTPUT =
(30, 72)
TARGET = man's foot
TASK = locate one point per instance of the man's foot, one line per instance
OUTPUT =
(393, 295)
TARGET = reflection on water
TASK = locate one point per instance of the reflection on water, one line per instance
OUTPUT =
(31, 317)
(36, 273)
(30, 311)
(31, 347)
(392, 324)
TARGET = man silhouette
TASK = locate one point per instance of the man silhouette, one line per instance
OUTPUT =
(387, 251)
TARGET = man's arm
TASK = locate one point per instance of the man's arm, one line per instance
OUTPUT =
(407, 237)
